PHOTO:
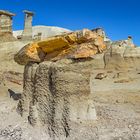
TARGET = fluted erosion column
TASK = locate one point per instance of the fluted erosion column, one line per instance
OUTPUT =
(57, 94)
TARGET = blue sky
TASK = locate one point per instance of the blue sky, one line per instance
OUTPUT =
(119, 18)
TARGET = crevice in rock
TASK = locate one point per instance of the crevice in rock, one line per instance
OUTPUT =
(52, 105)
(65, 116)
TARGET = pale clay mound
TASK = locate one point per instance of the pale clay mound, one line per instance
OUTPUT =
(47, 31)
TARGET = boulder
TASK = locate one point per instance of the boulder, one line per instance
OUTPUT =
(100, 76)
(79, 44)
(30, 52)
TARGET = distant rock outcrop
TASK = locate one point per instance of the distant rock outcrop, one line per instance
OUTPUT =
(122, 55)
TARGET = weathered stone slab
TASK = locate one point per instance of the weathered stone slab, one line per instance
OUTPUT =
(80, 44)
(29, 53)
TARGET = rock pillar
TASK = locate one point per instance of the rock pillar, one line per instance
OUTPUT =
(57, 94)
(27, 32)
(6, 21)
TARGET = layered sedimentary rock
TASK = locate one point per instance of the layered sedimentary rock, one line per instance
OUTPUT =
(132, 57)
(122, 55)
(6, 32)
(6, 21)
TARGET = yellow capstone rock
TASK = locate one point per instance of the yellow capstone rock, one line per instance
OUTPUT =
(51, 44)
(79, 44)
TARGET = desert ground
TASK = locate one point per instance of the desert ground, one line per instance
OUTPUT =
(117, 102)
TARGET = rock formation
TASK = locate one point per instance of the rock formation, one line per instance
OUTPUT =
(54, 98)
(79, 44)
(11, 44)
(57, 91)
(6, 32)
(77, 85)
(27, 32)
(6, 21)
(58, 78)
(122, 55)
